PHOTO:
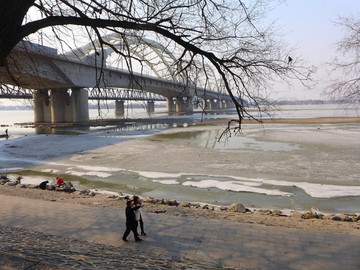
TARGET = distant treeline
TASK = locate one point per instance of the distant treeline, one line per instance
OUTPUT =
(15, 108)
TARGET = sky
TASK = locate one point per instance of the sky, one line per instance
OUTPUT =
(310, 27)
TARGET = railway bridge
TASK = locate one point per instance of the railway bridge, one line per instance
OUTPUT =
(61, 84)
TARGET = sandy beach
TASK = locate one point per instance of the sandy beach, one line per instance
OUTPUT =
(266, 218)
(30, 243)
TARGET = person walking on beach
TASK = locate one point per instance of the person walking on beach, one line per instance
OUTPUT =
(138, 215)
(131, 223)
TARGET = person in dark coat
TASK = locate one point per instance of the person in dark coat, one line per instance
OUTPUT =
(131, 223)
(43, 184)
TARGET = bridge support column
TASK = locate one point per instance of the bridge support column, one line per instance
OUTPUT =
(47, 109)
(61, 111)
(196, 103)
(207, 104)
(171, 106)
(184, 105)
(80, 105)
(41, 106)
(229, 104)
(68, 108)
(57, 103)
(150, 106)
(223, 104)
(119, 108)
(215, 104)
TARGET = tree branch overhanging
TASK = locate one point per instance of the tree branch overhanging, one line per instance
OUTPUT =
(225, 35)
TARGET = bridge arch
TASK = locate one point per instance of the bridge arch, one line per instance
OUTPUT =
(159, 59)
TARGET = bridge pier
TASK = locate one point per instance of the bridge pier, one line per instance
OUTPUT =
(60, 106)
(223, 104)
(150, 107)
(196, 106)
(41, 101)
(119, 108)
(228, 104)
(171, 106)
(207, 104)
(184, 105)
(215, 104)
(80, 105)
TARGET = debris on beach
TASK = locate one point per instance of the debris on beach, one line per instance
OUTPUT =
(66, 187)
(234, 208)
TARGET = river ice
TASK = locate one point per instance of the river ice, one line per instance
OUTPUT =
(282, 166)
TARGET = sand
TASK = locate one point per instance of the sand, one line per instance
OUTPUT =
(254, 217)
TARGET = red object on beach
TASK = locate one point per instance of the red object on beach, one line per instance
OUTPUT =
(59, 180)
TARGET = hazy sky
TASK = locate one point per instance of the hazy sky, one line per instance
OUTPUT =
(310, 27)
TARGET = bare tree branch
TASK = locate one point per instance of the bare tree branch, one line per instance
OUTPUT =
(348, 86)
(228, 35)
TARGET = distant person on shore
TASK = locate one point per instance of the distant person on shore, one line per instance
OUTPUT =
(43, 185)
(131, 223)
(5, 135)
(138, 215)
(59, 181)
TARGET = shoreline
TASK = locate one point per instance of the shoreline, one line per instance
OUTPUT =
(45, 235)
(114, 121)
(317, 120)
(310, 220)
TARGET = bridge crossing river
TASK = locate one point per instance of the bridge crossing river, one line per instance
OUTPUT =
(61, 85)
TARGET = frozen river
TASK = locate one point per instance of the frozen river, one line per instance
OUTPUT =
(283, 166)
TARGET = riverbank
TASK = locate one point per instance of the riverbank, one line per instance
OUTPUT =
(61, 253)
(267, 217)
(48, 231)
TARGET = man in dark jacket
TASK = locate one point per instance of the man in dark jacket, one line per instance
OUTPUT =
(131, 223)
(43, 184)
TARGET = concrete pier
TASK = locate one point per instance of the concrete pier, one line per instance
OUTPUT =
(41, 101)
(227, 104)
(119, 108)
(223, 104)
(58, 105)
(215, 104)
(61, 107)
(171, 106)
(80, 105)
(184, 105)
(150, 107)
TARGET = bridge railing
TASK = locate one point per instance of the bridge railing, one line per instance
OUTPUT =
(124, 94)
(94, 94)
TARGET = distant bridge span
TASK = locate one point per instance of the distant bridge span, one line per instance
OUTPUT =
(110, 94)
(40, 68)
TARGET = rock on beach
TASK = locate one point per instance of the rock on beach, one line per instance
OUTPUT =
(237, 207)
(232, 212)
